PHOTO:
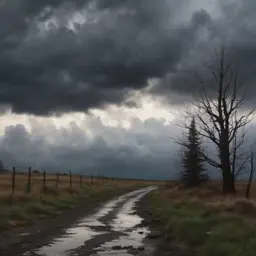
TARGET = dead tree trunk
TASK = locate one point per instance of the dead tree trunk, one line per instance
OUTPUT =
(228, 182)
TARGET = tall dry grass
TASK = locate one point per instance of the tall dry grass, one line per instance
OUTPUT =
(21, 181)
(21, 207)
(206, 222)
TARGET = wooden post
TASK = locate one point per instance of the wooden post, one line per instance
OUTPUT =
(70, 179)
(81, 181)
(91, 179)
(13, 179)
(57, 179)
(29, 180)
(44, 180)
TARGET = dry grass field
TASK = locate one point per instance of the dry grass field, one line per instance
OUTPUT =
(21, 181)
(213, 190)
(21, 207)
(204, 222)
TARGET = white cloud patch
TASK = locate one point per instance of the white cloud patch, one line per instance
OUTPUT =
(94, 147)
(118, 141)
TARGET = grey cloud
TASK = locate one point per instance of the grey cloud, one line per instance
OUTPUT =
(103, 60)
(137, 152)
(130, 42)
(146, 150)
(236, 29)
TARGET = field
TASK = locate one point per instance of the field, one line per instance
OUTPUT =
(204, 222)
(200, 221)
(24, 206)
(61, 184)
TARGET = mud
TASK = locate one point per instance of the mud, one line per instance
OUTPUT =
(113, 229)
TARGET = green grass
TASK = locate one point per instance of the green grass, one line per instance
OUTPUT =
(17, 212)
(206, 230)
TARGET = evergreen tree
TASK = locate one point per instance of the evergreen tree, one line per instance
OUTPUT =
(1, 166)
(193, 171)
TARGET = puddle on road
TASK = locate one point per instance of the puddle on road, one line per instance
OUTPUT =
(76, 236)
(127, 244)
(133, 239)
(93, 220)
(126, 218)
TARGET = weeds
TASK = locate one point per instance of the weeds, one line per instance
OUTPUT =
(20, 208)
(17, 213)
(222, 228)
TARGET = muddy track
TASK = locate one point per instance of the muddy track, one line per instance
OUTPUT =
(113, 229)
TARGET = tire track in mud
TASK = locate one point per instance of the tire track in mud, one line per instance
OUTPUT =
(112, 230)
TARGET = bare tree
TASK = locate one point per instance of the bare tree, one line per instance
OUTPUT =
(222, 119)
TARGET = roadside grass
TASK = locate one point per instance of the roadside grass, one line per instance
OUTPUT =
(205, 226)
(21, 209)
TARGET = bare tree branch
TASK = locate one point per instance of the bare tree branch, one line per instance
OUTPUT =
(221, 119)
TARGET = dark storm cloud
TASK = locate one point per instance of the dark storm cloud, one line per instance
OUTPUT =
(62, 71)
(235, 29)
(121, 46)
(15, 16)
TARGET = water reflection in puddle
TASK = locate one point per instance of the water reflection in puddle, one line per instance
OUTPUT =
(125, 221)
(83, 231)
(126, 218)
(127, 244)
(93, 220)
(111, 253)
(74, 238)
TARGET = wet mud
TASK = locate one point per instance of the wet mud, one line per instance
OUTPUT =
(113, 229)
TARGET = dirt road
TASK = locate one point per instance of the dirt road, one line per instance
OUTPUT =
(113, 229)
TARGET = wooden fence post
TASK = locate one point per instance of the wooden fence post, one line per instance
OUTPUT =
(91, 179)
(29, 180)
(81, 181)
(44, 180)
(13, 179)
(57, 179)
(70, 179)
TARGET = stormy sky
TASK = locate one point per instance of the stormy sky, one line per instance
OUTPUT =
(95, 86)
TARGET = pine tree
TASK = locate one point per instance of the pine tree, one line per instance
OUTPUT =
(1, 166)
(193, 171)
